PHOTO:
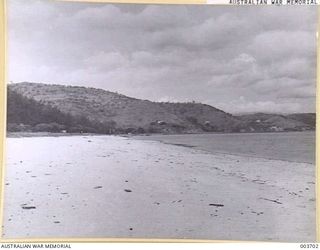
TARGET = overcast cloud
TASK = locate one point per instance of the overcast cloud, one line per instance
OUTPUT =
(239, 59)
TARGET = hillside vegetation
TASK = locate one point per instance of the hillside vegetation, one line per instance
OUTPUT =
(44, 107)
(26, 114)
(261, 122)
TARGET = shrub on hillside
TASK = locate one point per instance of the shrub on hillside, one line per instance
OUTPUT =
(14, 127)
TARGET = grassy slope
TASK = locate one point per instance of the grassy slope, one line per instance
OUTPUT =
(104, 106)
(101, 105)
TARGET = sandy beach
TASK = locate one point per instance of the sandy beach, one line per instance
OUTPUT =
(109, 186)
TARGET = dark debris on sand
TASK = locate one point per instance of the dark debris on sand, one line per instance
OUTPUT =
(216, 205)
(28, 207)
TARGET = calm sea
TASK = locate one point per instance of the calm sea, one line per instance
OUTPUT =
(290, 146)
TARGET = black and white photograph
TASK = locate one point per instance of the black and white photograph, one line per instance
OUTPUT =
(160, 121)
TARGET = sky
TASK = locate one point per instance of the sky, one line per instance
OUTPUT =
(241, 59)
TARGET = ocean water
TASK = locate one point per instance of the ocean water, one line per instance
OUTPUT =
(288, 146)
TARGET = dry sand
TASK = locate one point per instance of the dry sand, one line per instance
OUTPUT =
(108, 186)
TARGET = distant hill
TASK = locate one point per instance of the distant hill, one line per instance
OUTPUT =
(261, 122)
(306, 118)
(77, 109)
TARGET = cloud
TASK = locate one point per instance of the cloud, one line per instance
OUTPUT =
(244, 106)
(211, 54)
(106, 61)
(302, 92)
(277, 45)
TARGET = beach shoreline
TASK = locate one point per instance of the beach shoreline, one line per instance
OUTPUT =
(111, 186)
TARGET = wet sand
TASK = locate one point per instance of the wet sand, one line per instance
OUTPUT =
(108, 186)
